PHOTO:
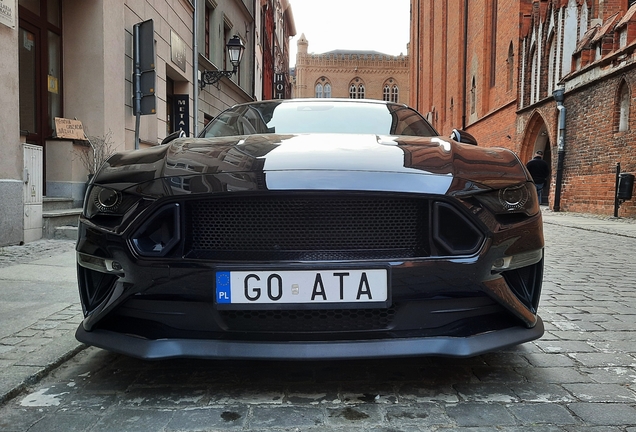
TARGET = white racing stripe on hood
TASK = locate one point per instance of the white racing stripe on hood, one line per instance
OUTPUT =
(352, 153)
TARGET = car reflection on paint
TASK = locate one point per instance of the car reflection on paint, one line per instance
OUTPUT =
(311, 229)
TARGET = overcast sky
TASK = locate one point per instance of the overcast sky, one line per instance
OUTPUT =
(381, 26)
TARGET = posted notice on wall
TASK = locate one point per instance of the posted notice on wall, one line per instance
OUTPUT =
(69, 129)
(8, 12)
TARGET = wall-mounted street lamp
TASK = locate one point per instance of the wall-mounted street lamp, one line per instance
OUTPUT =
(235, 50)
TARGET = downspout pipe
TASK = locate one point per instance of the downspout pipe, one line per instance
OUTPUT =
(195, 70)
(417, 53)
(559, 97)
(465, 66)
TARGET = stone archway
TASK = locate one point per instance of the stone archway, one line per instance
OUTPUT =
(537, 137)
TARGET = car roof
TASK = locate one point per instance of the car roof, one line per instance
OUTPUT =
(322, 100)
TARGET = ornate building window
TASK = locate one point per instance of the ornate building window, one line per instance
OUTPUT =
(208, 12)
(511, 67)
(361, 91)
(322, 90)
(327, 92)
(356, 91)
(622, 107)
(534, 75)
(390, 93)
(318, 92)
(551, 48)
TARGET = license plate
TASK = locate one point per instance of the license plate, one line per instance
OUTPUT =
(307, 287)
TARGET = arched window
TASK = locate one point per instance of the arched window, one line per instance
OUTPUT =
(361, 91)
(583, 18)
(390, 93)
(323, 89)
(352, 91)
(551, 48)
(386, 93)
(511, 67)
(356, 91)
(622, 107)
(395, 93)
(534, 74)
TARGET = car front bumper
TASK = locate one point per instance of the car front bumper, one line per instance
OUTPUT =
(480, 298)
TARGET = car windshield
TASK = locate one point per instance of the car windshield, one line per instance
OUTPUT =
(297, 117)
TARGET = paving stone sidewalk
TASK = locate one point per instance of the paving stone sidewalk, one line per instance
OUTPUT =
(29, 252)
(625, 227)
(39, 310)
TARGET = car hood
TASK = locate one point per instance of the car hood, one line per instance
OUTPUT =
(319, 161)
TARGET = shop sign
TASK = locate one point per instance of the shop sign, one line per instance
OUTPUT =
(279, 86)
(7, 12)
(182, 113)
(177, 50)
(69, 129)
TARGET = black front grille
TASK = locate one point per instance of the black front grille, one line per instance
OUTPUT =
(311, 228)
(308, 321)
(308, 228)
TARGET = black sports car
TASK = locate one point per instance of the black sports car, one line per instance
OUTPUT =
(311, 229)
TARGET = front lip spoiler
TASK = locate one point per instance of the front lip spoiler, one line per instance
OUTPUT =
(337, 350)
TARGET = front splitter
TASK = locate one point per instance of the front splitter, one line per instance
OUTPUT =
(159, 349)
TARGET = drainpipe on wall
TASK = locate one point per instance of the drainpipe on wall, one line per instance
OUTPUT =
(559, 96)
(465, 59)
(195, 70)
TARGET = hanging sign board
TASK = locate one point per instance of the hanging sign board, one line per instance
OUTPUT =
(178, 50)
(279, 86)
(69, 129)
(7, 12)
(181, 112)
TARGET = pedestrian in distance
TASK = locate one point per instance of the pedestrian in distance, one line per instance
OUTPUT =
(539, 170)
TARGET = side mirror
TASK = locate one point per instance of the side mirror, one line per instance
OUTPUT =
(173, 136)
(463, 137)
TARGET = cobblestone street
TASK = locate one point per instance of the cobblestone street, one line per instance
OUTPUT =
(579, 377)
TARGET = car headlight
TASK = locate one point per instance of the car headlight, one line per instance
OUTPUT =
(513, 199)
(106, 201)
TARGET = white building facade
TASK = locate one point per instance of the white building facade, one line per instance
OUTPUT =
(73, 59)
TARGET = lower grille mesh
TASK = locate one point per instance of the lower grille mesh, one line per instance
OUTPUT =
(295, 321)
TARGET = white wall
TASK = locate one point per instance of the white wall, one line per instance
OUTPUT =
(11, 162)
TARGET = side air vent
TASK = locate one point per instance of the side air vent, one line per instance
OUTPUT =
(526, 283)
(94, 287)
(160, 233)
(453, 232)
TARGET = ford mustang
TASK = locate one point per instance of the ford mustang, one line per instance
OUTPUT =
(311, 229)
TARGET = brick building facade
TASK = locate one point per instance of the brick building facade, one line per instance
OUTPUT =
(351, 74)
(508, 58)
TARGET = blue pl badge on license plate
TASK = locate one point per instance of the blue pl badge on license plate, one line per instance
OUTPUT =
(223, 293)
